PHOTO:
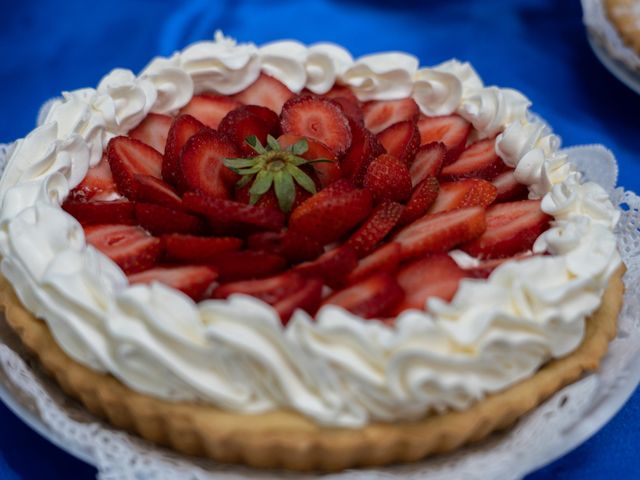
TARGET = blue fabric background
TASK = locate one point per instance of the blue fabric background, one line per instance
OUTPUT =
(538, 47)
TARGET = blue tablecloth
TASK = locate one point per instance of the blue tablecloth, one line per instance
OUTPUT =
(538, 47)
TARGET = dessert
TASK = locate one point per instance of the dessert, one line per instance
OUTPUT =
(625, 17)
(285, 257)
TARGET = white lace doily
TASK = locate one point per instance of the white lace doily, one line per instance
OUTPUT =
(566, 420)
(596, 21)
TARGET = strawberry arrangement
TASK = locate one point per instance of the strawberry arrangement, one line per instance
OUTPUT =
(303, 200)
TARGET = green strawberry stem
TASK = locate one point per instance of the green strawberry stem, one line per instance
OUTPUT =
(274, 167)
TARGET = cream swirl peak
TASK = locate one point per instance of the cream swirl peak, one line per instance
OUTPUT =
(338, 369)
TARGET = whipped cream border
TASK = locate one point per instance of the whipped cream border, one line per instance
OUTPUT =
(339, 370)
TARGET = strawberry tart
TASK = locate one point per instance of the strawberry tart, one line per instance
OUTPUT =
(283, 256)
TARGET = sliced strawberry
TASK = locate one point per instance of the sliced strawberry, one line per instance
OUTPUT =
(364, 148)
(266, 91)
(241, 123)
(428, 162)
(464, 193)
(202, 164)
(307, 298)
(161, 220)
(478, 160)
(128, 157)
(183, 128)
(333, 266)
(452, 130)
(401, 140)
(209, 109)
(434, 276)
(292, 245)
(269, 117)
(341, 91)
(153, 130)
(441, 232)
(421, 199)
(97, 212)
(129, 246)
(195, 250)
(318, 119)
(98, 184)
(388, 179)
(227, 212)
(511, 228)
(350, 108)
(153, 190)
(243, 265)
(381, 114)
(486, 267)
(192, 280)
(332, 212)
(384, 259)
(270, 290)
(382, 220)
(373, 297)
(508, 188)
(327, 172)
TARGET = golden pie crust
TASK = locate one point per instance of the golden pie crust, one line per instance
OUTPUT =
(625, 16)
(285, 439)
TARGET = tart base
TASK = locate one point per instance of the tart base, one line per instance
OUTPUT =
(625, 22)
(285, 439)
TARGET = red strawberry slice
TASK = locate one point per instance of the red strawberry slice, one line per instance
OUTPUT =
(98, 212)
(384, 259)
(269, 117)
(421, 199)
(241, 123)
(486, 267)
(153, 190)
(129, 246)
(229, 213)
(98, 184)
(307, 298)
(128, 157)
(266, 91)
(464, 193)
(160, 220)
(332, 212)
(508, 188)
(383, 219)
(441, 232)
(401, 140)
(153, 131)
(350, 108)
(194, 249)
(434, 276)
(327, 172)
(428, 162)
(270, 290)
(184, 127)
(318, 119)
(478, 160)
(341, 91)
(381, 114)
(202, 164)
(333, 266)
(293, 246)
(452, 130)
(209, 109)
(511, 228)
(192, 280)
(364, 148)
(388, 178)
(243, 265)
(373, 297)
